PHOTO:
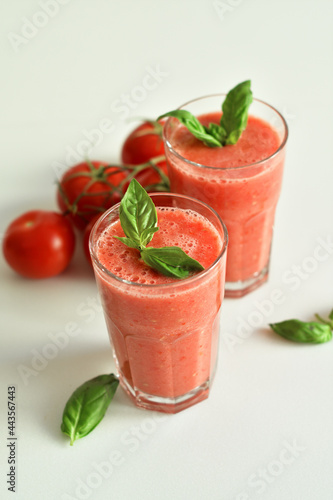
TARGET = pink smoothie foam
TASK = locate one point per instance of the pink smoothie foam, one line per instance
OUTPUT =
(185, 229)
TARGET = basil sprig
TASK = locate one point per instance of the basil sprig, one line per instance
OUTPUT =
(233, 120)
(87, 406)
(192, 123)
(313, 332)
(138, 219)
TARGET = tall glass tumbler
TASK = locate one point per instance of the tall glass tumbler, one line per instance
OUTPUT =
(245, 196)
(164, 336)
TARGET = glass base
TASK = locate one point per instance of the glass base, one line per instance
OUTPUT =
(165, 405)
(237, 289)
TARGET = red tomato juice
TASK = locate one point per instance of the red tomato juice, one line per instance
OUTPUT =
(236, 182)
(164, 331)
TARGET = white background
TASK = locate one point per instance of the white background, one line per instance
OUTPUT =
(266, 430)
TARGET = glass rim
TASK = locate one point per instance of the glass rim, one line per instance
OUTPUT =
(177, 283)
(247, 165)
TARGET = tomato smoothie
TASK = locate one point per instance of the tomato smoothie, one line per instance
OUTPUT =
(242, 182)
(164, 331)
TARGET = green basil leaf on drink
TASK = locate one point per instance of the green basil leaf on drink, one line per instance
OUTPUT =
(312, 332)
(235, 111)
(233, 121)
(147, 235)
(171, 261)
(128, 242)
(87, 406)
(138, 219)
(194, 126)
(217, 131)
(137, 214)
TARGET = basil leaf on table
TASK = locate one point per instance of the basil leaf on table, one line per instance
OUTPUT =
(87, 406)
(138, 216)
(171, 261)
(328, 321)
(233, 120)
(312, 332)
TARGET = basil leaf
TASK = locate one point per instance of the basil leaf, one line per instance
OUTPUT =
(235, 111)
(147, 234)
(128, 242)
(171, 261)
(194, 126)
(137, 213)
(328, 322)
(87, 406)
(299, 331)
(217, 131)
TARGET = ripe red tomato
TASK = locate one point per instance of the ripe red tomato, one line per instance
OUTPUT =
(39, 244)
(88, 189)
(144, 143)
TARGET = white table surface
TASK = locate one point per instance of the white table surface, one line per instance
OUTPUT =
(266, 430)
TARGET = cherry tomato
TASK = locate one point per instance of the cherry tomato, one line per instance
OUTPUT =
(88, 189)
(144, 143)
(39, 244)
(86, 235)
